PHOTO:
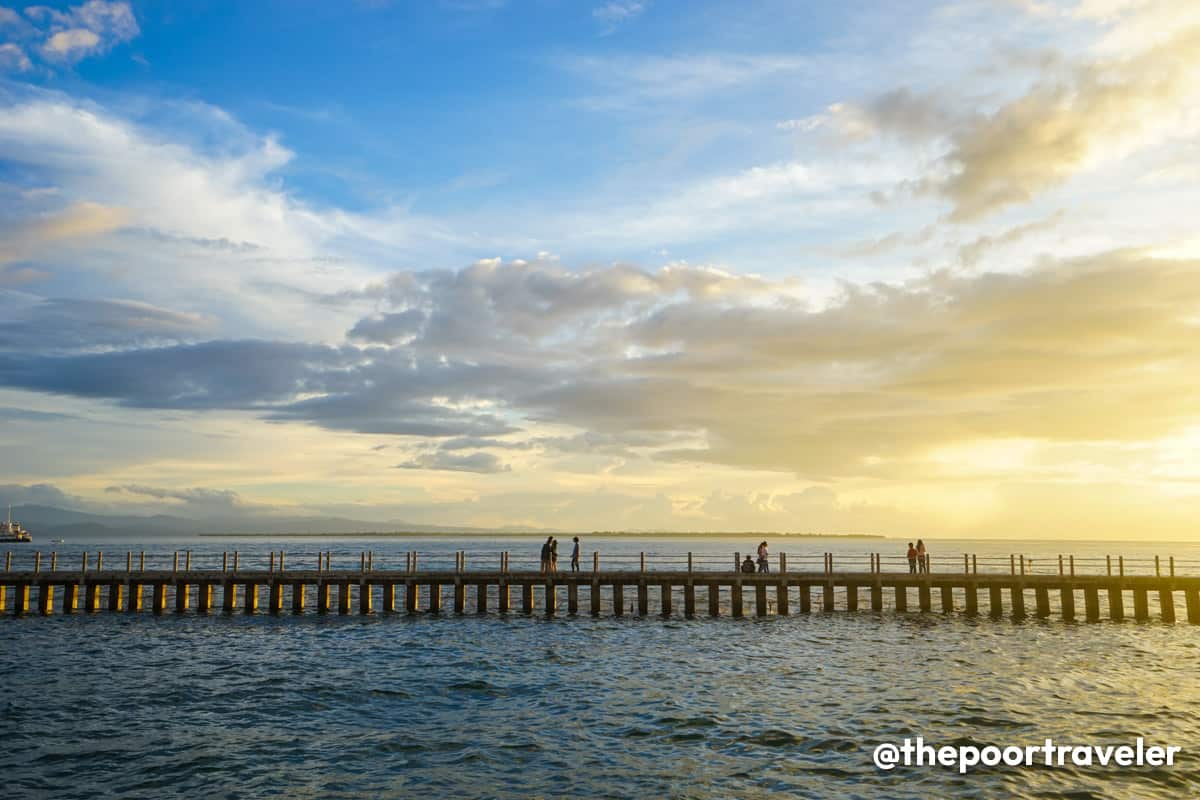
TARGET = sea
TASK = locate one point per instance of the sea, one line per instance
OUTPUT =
(516, 706)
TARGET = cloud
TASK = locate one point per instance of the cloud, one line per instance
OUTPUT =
(616, 13)
(900, 112)
(1042, 138)
(13, 58)
(78, 221)
(75, 324)
(39, 494)
(388, 328)
(867, 385)
(92, 28)
(202, 500)
(630, 80)
(482, 463)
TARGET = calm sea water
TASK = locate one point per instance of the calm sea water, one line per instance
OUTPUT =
(488, 706)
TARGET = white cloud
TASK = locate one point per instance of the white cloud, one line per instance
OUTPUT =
(13, 58)
(71, 44)
(616, 13)
(93, 28)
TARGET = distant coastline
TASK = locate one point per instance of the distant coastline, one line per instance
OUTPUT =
(535, 534)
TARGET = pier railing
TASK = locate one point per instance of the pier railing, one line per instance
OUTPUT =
(655, 581)
(36, 561)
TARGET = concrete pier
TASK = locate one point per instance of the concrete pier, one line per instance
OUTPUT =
(654, 592)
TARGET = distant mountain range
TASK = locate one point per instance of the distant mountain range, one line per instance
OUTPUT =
(48, 522)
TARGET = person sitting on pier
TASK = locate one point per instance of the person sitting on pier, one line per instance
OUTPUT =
(546, 555)
(748, 565)
(764, 562)
(912, 559)
(575, 555)
(922, 557)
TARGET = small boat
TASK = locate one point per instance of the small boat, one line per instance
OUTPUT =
(12, 531)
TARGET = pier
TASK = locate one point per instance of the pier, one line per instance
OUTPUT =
(1070, 589)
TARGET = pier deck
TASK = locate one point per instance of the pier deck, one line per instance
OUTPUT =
(596, 592)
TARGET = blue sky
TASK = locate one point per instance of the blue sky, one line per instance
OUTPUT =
(908, 268)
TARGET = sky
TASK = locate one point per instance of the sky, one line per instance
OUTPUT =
(924, 268)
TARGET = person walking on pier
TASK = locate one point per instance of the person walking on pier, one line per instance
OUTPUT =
(922, 557)
(912, 559)
(553, 555)
(575, 555)
(546, 555)
(764, 561)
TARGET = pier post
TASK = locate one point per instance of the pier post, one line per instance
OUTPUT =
(877, 596)
(251, 598)
(503, 598)
(947, 599)
(781, 598)
(689, 599)
(551, 598)
(594, 599)
(805, 598)
(388, 590)
(298, 597)
(1067, 593)
(181, 597)
(366, 598)
(45, 597)
(3, 597)
(481, 598)
(460, 596)
(971, 594)
(851, 597)
(21, 599)
(618, 598)
(115, 599)
(995, 602)
(70, 598)
(1116, 602)
(1091, 603)
(736, 598)
(159, 598)
(1141, 605)
(344, 597)
(643, 598)
(901, 597)
(91, 598)
(1166, 602)
(1017, 597)
(714, 600)
(760, 599)
(229, 596)
(1192, 598)
(572, 598)
(1042, 598)
(275, 597)
(527, 598)
(828, 596)
(134, 603)
(923, 597)
(411, 590)
(324, 590)
(203, 597)
(435, 597)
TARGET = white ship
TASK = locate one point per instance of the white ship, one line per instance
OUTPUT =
(12, 531)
